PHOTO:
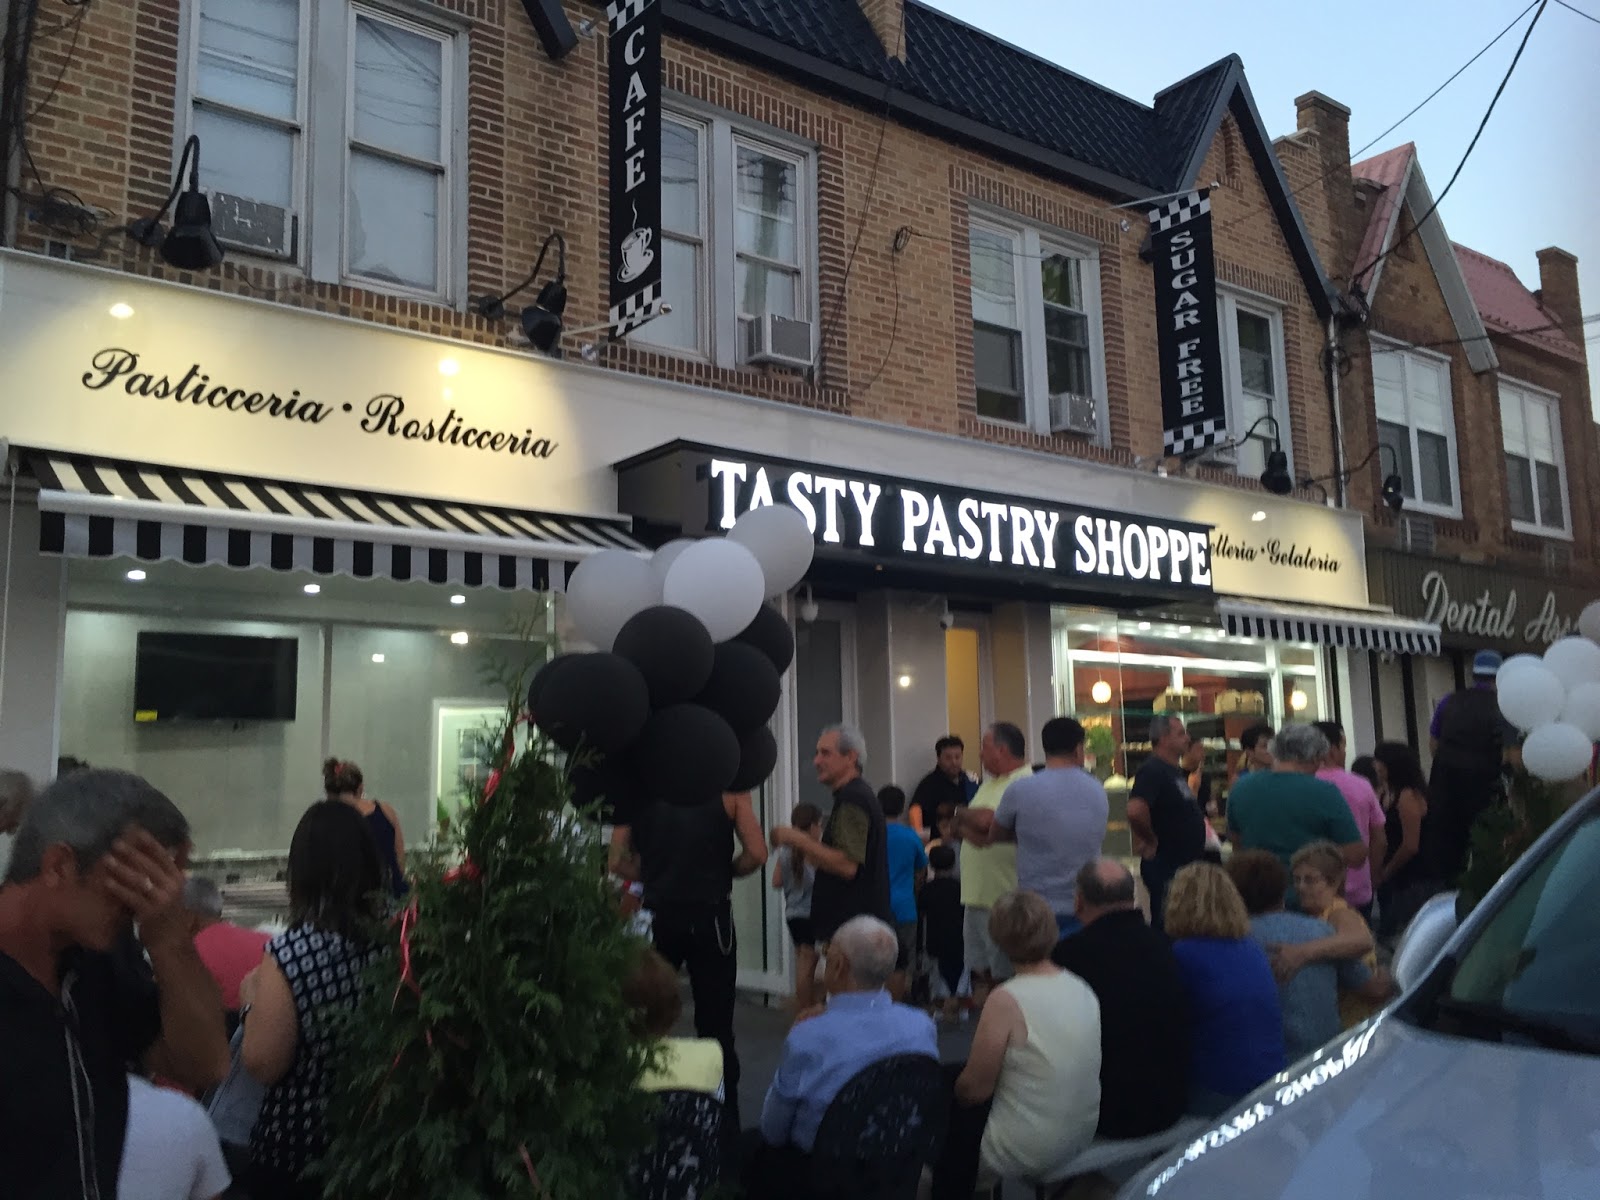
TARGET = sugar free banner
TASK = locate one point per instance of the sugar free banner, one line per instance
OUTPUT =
(1194, 404)
(634, 125)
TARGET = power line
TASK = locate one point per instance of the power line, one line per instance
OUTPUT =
(1493, 100)
(1579, 11)
(1562, 326)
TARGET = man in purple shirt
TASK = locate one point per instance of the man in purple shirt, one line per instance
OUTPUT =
(1469, 737)
(1364, 807)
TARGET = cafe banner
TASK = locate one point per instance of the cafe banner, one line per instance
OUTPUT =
(1478, 607)
(1194, 402)
(634, 125)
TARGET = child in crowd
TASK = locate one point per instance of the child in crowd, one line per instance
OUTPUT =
(942, 921)
(908, 861)
(944, 832)
(795, 876)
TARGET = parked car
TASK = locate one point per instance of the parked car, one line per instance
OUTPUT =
(1481, 1080)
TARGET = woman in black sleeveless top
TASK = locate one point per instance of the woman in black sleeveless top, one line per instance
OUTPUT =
(343, 781)
(1404, 882)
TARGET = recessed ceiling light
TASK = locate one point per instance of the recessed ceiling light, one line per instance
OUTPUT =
(1258, 515)
(458, 598)
(121, 311)
(1183, 629)
(1144, 624)
(905, 681)
(377, 658)
(459, 637)
(136, 576)
(449, 366)
(311, 589)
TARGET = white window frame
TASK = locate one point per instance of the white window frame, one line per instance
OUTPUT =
(1031, 245)
(1527, 394)
(325, 96)
(1405, 352)
(721, 133)
(1230, 303)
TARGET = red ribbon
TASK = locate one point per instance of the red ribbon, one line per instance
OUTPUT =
(468, 870)
(408, 978)
(533, 1176)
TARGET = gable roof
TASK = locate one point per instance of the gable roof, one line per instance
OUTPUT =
(1508, 307)
(965, 85)
(1398, 183)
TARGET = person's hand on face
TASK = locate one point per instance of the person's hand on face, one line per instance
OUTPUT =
(145, 879)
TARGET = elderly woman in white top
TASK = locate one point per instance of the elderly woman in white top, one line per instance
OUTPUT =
(1028, 1100)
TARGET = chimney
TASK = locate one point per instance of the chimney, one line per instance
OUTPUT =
(887, 18)
(1329, 120)
(1558, 288)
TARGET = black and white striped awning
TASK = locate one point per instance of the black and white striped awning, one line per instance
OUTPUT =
(1356, 629)
(99, 508)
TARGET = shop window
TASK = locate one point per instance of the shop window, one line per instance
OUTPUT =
(1252, 349)
(1416, 419)
(328, 133)
(1536, 473)
(1036, 330)
(738, 239)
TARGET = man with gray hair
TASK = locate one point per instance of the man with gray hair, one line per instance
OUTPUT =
(1164, 816)
(860, 1025)
(98, 853)
(229, 951)
(1288, 807)
(852, 856)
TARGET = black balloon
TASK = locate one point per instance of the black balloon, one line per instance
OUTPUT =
(688, 753)
(610, 780)
(744, 687)
(770, 634)
(541, 677)
(597, 700)
(672, 650)
(758, 755)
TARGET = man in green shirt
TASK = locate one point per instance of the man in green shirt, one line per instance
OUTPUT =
(1288, 807)
(989, 863)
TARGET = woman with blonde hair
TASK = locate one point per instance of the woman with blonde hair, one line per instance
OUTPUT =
(1028, 1099)
(1235, 1018)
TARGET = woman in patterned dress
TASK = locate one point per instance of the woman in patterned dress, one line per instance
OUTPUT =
(310, 971)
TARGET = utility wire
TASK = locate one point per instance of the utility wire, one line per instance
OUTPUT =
(1563, 326)
(1438, 200)
(1579, 11)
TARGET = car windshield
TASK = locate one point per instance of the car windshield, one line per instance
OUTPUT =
(1533, 974)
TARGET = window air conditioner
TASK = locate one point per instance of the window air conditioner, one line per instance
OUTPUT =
(1071, 413)
(263, 229)
(1416, 533)
(782, 341)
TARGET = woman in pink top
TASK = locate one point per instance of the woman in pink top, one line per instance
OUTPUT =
(1368, 813)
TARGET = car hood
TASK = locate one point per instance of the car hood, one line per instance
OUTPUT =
(1393, 1110)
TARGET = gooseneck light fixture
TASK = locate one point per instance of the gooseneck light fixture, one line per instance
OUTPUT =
(541, 320)
(1393, 490)
(189, 244)
(1276, 478)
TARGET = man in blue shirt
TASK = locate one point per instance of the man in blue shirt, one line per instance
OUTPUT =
(829, 1046)
(908, 862)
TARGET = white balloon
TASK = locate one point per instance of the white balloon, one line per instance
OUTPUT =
(661, 561)
(718, 581)
(1583, 709)
(606, 589)
(1557, 752)
(1575, 660)
(1589, 621)
(781, 541)
(1531, 697)
(1517, 661)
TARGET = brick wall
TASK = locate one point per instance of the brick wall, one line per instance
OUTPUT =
(897, 348)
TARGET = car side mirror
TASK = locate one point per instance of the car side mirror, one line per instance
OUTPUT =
(1423, 939)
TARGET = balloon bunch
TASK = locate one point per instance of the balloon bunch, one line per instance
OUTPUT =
(674, 702)
(1555, 700)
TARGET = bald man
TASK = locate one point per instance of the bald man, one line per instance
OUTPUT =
(1144, 1030)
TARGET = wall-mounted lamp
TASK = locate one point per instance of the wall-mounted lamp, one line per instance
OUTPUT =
(1276, 478)
(189, 244)
(541, 320)
(1393, 490)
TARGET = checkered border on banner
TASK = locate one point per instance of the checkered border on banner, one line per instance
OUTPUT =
(618, 15)
(638, 308)
(1179, 211)
(1186, 439)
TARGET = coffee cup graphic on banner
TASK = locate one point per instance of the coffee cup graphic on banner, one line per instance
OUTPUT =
(636, 253)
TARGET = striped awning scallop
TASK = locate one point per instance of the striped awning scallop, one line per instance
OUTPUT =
(101, 508)
(1355, 629)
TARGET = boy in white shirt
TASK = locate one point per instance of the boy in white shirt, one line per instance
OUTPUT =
(171, 1151)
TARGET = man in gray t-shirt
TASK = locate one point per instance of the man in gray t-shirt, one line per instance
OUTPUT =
(1057, 817)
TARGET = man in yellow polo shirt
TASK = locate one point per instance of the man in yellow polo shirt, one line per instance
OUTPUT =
(989, 866)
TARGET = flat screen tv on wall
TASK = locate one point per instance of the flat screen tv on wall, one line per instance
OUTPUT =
(214, 677)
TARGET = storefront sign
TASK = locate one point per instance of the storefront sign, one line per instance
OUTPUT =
(1194, 405)
(634, 62)
(1480, 606)
(927, 525)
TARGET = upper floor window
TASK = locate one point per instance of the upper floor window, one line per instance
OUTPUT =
(738, 238)
(1253, 368)
(329, 132)
(1536, 475)
(1036, 345)
(1416, 417)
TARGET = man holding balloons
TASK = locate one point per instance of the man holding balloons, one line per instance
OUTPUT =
(1469, 738)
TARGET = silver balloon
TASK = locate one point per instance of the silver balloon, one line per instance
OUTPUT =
(606, 589)
(781, 541)
(1557, 752)
(718, 581)
(1531, 697)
